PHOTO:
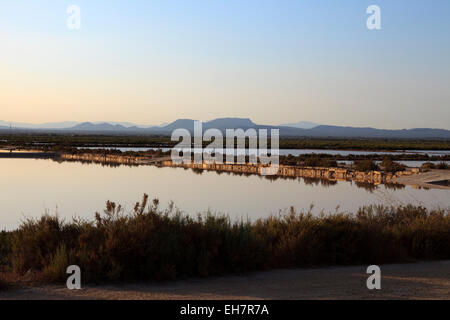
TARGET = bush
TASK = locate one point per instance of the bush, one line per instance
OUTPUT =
(366, 165)
(317, 162)
(428, 165)
(443, 166)
(392, 166)
(5, 248)
(3, 284)
(155, 244)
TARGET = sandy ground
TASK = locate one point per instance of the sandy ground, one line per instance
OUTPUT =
(429, 280)
(423, 179)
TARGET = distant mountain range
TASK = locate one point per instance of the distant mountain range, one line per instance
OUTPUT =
(48, 125)
(299, 129)
(63, 125)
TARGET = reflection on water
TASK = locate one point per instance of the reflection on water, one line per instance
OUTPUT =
(30, 187)
(369, 187)
(307, 180)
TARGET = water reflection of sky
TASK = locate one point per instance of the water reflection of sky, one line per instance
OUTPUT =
(30, 187)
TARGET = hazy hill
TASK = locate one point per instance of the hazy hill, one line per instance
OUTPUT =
(224, 123)
(355, 132)
(178, 124)
(301, 125)
(47, 125)
(293, 130)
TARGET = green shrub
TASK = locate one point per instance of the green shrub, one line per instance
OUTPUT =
(56, 267)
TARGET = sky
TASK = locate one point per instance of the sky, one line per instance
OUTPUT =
(274, 61)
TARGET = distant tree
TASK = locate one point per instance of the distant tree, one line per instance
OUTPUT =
(366, 165)
(392, 166)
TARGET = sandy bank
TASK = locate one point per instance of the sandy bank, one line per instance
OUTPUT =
(426, 179)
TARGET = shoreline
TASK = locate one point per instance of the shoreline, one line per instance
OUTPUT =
(430, 179)
(332, 174)
(415, 177)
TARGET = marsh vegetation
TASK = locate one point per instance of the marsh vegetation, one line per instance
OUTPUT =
(85, 140)
(151, 243)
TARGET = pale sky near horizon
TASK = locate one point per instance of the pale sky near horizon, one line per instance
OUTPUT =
(274, 61)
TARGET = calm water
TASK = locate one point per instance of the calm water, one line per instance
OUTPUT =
(30, 187)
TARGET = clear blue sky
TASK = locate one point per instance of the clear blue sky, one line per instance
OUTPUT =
(273, 61)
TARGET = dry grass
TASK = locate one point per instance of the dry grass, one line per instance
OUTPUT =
(155, 244)
(441, 166)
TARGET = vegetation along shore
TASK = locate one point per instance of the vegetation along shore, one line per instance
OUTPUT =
(52, 141)
(151, 243)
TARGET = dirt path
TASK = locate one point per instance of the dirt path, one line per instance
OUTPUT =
(430, 280)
